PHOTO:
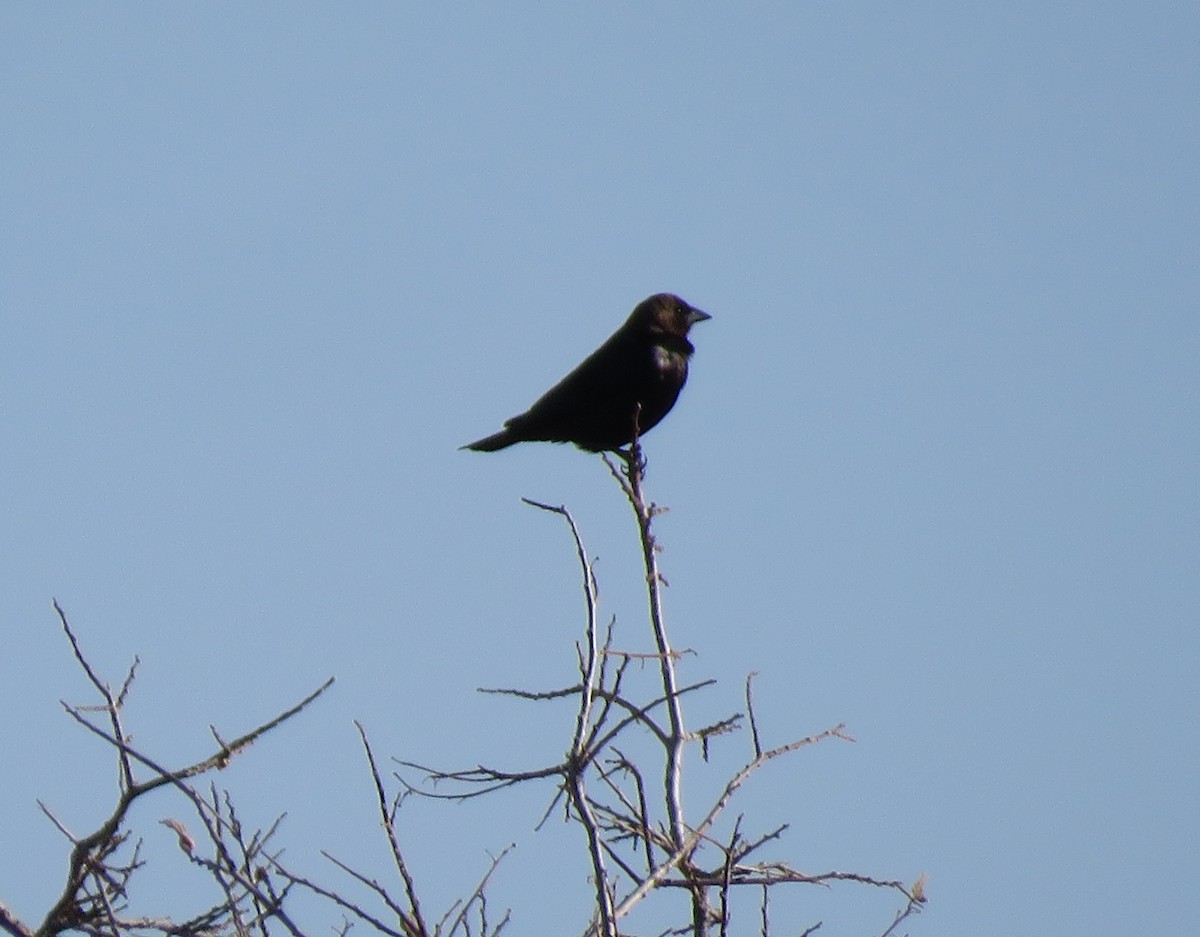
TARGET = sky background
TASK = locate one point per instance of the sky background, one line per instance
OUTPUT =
(934, 475)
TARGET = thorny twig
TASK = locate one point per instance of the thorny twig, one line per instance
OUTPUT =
(650, 847)
(636, 844)
(95, 893)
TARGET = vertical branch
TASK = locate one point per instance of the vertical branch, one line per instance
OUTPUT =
(412, 921)
(633, 474)
(592, 663)
(112, 704)
(631, 481)
(604, 898)
(580, 756)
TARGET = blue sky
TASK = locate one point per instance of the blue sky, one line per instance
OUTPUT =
(934, 475)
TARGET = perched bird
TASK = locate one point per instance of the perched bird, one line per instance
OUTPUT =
(644, 362)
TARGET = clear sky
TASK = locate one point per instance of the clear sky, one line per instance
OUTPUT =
(264, 269)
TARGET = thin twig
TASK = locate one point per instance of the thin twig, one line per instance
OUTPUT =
(750, 713)
(593, 655)
(89, 854)
(112, 705)
(417, 922)
(477, 894)
(577, 763)
(341, 902)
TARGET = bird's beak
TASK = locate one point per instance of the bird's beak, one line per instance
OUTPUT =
(697, 315)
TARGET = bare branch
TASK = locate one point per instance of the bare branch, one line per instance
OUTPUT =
(344, 903)
(593, 655)
(750, 713)
(477, 894)
(631, 483)
(112, 704)
(418, 924)
(636, 842)
(82, 905)
(13, 925)
(583, 811)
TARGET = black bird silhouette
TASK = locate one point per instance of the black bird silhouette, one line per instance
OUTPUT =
(645, 362)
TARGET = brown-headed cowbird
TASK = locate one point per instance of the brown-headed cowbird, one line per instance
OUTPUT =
(644, 362)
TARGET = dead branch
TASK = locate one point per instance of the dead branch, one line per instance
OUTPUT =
(638, 843)
(95, 893)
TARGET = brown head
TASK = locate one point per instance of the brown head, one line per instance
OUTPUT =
(665, 314)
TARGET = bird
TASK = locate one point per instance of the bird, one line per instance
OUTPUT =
(636, 374)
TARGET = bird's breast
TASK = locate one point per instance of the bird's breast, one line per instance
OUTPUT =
(667, 361)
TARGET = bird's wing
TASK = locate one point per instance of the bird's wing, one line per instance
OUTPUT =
(601, 379)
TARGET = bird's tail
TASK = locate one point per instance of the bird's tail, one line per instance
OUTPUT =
(500, 440)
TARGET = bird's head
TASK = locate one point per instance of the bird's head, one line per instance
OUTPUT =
(666, 314)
